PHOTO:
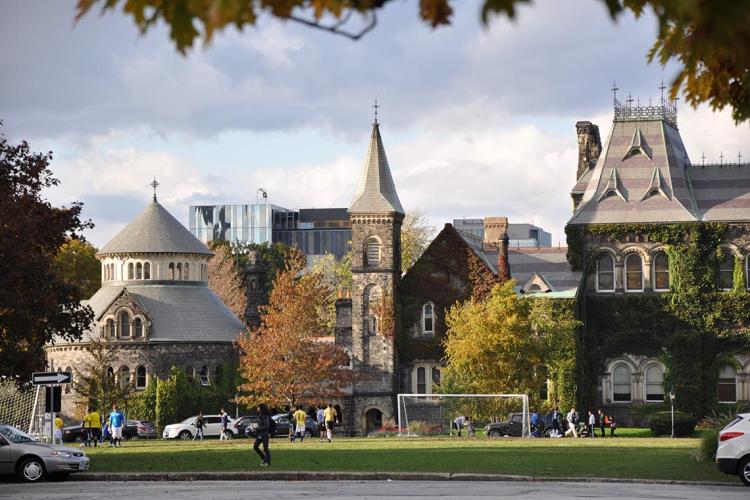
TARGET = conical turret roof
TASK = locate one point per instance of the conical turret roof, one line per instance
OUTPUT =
(377, 192)
(155, 231)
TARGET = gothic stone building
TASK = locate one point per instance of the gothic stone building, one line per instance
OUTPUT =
(156, 305)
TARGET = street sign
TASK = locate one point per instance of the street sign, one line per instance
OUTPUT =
(51, 378)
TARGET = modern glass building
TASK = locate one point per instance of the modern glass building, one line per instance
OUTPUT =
(315, 231)
(233, 223)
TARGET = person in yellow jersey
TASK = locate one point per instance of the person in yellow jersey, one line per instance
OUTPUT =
(95, 425)
(330, 417)
(86, 428)
(58, 430)
(299, 419)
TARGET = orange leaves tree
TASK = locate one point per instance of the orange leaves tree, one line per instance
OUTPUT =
(290, 358)
(225, 280)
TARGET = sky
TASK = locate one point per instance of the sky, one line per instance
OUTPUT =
(476, 121)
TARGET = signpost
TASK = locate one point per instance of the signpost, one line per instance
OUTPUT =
(53, 399)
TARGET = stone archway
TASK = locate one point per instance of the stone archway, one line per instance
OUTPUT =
(373, 420)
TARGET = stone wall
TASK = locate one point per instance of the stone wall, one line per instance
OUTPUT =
(589, 146)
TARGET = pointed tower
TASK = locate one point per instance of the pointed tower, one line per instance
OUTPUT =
(376, 216)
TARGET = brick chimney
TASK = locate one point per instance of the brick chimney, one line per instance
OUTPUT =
(496, 238)
(589, 146)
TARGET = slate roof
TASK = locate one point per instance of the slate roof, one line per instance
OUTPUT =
(376, 193)
(178, 312)
(155, 230)
(722, 193)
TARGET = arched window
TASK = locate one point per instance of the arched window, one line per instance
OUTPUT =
(633, 273)
(179, 271)
(204, 376)
(105, 272)
(147, 271)
(171, 270)
(190, 373)
(726, 271)
(140, 377)
(139, 271)
(130, 271)
(605, 273)
(727, 390)
(372, 252)
(124, 376)
(67, 386)
(138, 328)
(124, 324)
(435, 377)
(111, 374)
(428, 319)
(661, 272)
(109, 331)
(371, 299)
(421, 380)
(654, 384)
(621, 384)
(187, 271)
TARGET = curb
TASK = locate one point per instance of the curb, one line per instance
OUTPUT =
(366, 476)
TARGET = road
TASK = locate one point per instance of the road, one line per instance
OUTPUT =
(205, 490)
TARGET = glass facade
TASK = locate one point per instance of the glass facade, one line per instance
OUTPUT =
(234, 223)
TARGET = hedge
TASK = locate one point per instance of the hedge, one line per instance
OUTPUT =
(660, 423)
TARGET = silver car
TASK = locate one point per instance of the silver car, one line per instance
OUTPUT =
(33, 461)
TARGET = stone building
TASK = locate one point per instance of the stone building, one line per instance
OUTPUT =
(156, 305)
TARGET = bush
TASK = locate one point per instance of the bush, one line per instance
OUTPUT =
(706, 451)
(660, 423)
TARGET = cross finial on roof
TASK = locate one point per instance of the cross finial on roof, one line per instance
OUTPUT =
(703, 158)
(614, 90)
(154, 184)
(721, 158)
(739, 157)
(629, 100)
(375, 107)
(662, 87)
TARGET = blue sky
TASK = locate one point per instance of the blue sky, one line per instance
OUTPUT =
(476, 121)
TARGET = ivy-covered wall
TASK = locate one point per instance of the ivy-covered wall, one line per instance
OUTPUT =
(694, 327)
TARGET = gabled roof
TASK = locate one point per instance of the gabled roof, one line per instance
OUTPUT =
(377, 192)
(155, 230)
(722, 192)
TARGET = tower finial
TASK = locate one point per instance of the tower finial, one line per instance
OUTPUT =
(614, 90)
(154, 184)
(661, 88)
(375, 107)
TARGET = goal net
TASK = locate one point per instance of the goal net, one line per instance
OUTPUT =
(436, 414)
(17, 404)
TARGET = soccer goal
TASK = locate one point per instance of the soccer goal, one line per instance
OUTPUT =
(18, 404)
(435, 414)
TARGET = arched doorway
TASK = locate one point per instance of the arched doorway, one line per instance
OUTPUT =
(373, 420)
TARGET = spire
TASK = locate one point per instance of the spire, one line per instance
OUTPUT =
(154, 184)
(377, 192)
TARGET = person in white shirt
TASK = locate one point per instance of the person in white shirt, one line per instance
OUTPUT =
(572, 423)
(592, 423)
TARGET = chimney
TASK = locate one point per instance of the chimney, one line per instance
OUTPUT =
(589, 146)
(496, 238)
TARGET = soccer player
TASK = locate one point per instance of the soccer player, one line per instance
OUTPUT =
(95, 425)
(116, 421)
(299, 419)
(320, 419)
(330, 418)
(58, 430)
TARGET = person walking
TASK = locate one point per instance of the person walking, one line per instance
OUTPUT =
(224, 425)
(320, 419)
(330, 417)
(572, 423)
(592, 424)
(555, 422)
(86, 429)
(262, 432)
(535, 424)
(57, 436)
(116, 420)
(95, 426)
(200, 424)
(603, 421)
(299, 419)
(612, 426)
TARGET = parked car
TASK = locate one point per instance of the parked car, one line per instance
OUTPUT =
(283, 424)
(733, 453)
(32, 461)
(145, 429)
(76, 434)
(186, 429)
(513, 427)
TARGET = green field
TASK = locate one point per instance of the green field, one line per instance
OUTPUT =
(629, 456)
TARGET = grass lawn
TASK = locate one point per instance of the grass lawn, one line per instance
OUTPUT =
(628, 456)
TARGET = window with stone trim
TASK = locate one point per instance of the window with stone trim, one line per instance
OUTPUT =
(171, 271)
(67, 386)
(204, 376)
(131, 274)
(435, 376)
(124, 376)
(621, 387)
(373, 251)
(124, 324)
(428, 319)
(138, 328)
(654, 384)
(178, 274)
(147, 271)
(727, 387)
(726, 271)
(634, 273)
(421, 380)
(190, 373)
(661, 272)
(605, 273)
(187, 271)
(371, 298)
(139, 271)
(109, 329)
(141, 380)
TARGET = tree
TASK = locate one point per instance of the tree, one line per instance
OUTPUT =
(336, 275)
(416, 233)
(505, 343)
(36, 303)
(225, 280)
(284, 361)
(709, 40)
(77, 264)
(94, 381)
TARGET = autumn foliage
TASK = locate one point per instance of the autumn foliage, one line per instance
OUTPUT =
(291, 358)
(225, 280)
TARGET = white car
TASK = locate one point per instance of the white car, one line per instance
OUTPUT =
(733, 454)
(186, 429)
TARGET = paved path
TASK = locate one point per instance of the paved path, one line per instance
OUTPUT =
(206, 490)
